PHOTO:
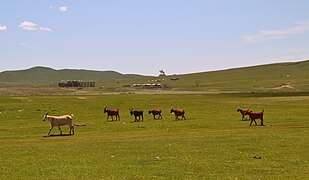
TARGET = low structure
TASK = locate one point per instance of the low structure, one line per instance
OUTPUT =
(147, 86)
(76, 83)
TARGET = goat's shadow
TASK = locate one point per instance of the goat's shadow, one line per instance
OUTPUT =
(112, 120)
(57, 135)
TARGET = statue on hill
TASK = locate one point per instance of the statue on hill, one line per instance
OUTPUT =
(162, 73)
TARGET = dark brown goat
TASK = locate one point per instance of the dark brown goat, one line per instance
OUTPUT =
(178, 112)
(137, 113)
(155, 112)
(243, 112)
(112, 113)
(257, 115)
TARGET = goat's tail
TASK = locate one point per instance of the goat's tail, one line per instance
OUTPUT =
(263, 111)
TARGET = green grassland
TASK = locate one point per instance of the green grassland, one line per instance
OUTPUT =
(213, 143)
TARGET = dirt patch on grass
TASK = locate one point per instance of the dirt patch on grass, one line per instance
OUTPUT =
(282, 86)
(82, 98)
(23, 99)
(85, 124)
(22, 91)
(288, 98)
(277, 87)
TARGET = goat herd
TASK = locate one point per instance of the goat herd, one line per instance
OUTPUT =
(252, 115)
(139, 116)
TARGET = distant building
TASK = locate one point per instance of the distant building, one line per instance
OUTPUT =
(147, 86)
(76, 83)
(175, 79)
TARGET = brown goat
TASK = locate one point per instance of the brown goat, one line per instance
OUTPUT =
(155, 112)
(243, 112)
(257, 115)
(178, 112)
(112, 113)
(137, 113)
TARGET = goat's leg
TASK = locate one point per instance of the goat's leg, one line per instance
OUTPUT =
(60, 130)
(51, 127)
(252, 121)
(262, 124)
(72, 129)
(107, 117)
(70, 126)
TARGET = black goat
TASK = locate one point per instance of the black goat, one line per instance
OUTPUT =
(137, 113)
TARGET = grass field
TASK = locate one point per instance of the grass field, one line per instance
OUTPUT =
(213, 143)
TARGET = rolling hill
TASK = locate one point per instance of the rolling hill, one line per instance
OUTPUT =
(47, 76)
(279, 77)
(293, 76)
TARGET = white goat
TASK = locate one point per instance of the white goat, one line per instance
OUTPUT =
(60, 121)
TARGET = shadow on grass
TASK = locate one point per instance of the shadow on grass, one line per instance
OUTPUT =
(57, 135)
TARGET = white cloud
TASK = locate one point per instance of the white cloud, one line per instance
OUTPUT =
(63, 9)
(3, 27)
(30, 26)
(297, 28)
(45, 29)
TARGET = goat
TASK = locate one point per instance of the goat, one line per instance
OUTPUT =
(112, 113)
(257, 115)
(243, 112)
(60, 121)
(178, 112)
(137, 113)
(155, 112)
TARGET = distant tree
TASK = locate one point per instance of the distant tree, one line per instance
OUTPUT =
(197, 83)
(162, 73)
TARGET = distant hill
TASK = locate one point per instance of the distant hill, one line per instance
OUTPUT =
(279, 77)
(44, 75)
(291, 76)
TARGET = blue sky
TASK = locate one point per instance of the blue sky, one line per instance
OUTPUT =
(144, 36)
